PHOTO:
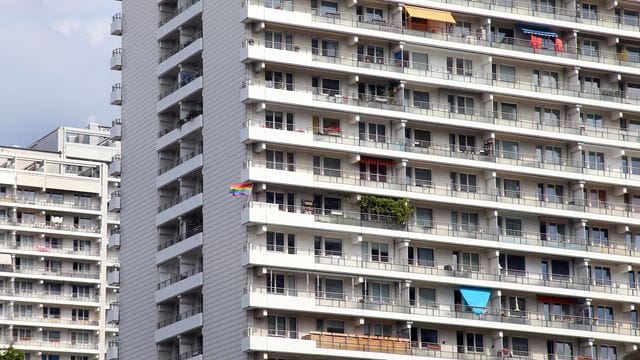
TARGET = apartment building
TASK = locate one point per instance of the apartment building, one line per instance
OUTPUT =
(431, 179)
(59, 238)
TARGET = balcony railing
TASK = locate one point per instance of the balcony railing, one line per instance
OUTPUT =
(50, 295)
(43, 201)
(457, 311)
(180, 277)
(49, 225)
(183, 45)
(184, 315)
(48, 319)
(192, 115)
(517, 197)
(180, 161)
(443, 351)
(50, 249)
(520, 45)
(449, 271)
(180, 238)
(188, 355)
(452, 230)
(45, 271)
(180, 199)
(23, 341)
(177, 12)
(180, 84)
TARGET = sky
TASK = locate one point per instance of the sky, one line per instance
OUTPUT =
(54, 65)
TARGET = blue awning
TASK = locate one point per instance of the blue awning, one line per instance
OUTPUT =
(477, 298)
(532, 31)
(537, 32)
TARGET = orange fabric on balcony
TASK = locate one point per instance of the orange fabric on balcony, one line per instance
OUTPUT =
(429, 14)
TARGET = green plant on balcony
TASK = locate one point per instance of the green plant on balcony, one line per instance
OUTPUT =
(397, 210)
(11, 354)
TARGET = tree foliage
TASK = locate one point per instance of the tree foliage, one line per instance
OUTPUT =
(11, 354)
(398, 211)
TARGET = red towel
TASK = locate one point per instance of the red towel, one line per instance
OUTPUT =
(559, 45)
(536, 42)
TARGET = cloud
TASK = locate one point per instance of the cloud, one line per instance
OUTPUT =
(92, 30)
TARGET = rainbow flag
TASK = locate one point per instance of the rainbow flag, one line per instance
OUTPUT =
(240, 189)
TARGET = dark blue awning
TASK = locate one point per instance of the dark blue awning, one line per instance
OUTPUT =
(537, 32)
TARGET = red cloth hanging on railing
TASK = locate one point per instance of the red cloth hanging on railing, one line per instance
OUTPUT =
(559, 44)
(536, 42)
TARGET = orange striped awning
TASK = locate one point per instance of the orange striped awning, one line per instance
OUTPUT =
(430, 14)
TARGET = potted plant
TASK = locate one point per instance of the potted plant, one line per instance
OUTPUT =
(397, 211)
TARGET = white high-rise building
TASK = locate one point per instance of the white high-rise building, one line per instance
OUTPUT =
(431, 179)
(59, 240)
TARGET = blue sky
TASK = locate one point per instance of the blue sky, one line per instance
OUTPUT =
(54, 64)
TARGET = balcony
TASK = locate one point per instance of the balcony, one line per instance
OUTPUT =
(53, 227)
(352, 25)
(116, 59)
(54, 296)
(182, 128)
(436, 232)
(179, 284)
(114, 239)
(172, 327)
(180, 167)
(45, 202)
(440, 273)
(180, 54)
(113, 218)
(113, 277)
(114, 202)
(477, 196)
(116, 130)
(178, 17)
(358, 346)
(116, 25)
(116, 94)
(179, 206)
(115, 166)
(55, 346)
(181, 244)
(113, 314)
(354, 305)
(181, 90)
(41, 248)
(112, 350)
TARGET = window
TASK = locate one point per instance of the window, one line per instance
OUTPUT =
(49, 312)
(548, 116)
(372, 14)
(326, 8)
(604, 352)
(472, 342)
(467, 261)
(82, 200)
(379, 251)
(52, 288)
(328, 205)
(589, 11)
(80, 337)
(422, 297)
(591, 119)
(421, 99)
(594, 160)
(417, 138)
(21, 334)
(420, 61)
(275, 160)
(505, 73)
(275, 242)
(424, 337)
(507, 111)
(515, 304)
(332, 326)
(421, 256)
(23, 286)
(25, 241)
(464, 221)
(54, 265)
(630, 17)
(370, 54)
(424, 217)
(457, 66)
(329, 87)
(508, 187)
(544, 78)
(599, 236)
(328, 48)
(377, 292)
(590, 48)
(326, 166)
(81, 267)
(463, 182)
(56, 198)
(557, 312)
(547, 6)
(275, 283)
(377, 330)
(549, 154)
(375, 132)
(25, 195)
(278, 80)
(562, 349)
(373, 172)
(422, 177)
(604, 314)
(327, 246)
(276, 120)
(79, 314)
(512, 265)
(82, 245)
(274, 40)
(81, 291)
(23, 310)
(520, 346)
(461, 104)
(330, 289)
(82, 222)
(282, 326)
(462, 29)
(601, 275)
(590, 84)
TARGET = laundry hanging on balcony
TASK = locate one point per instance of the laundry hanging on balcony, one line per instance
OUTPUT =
(559, 45)
(477, 298)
